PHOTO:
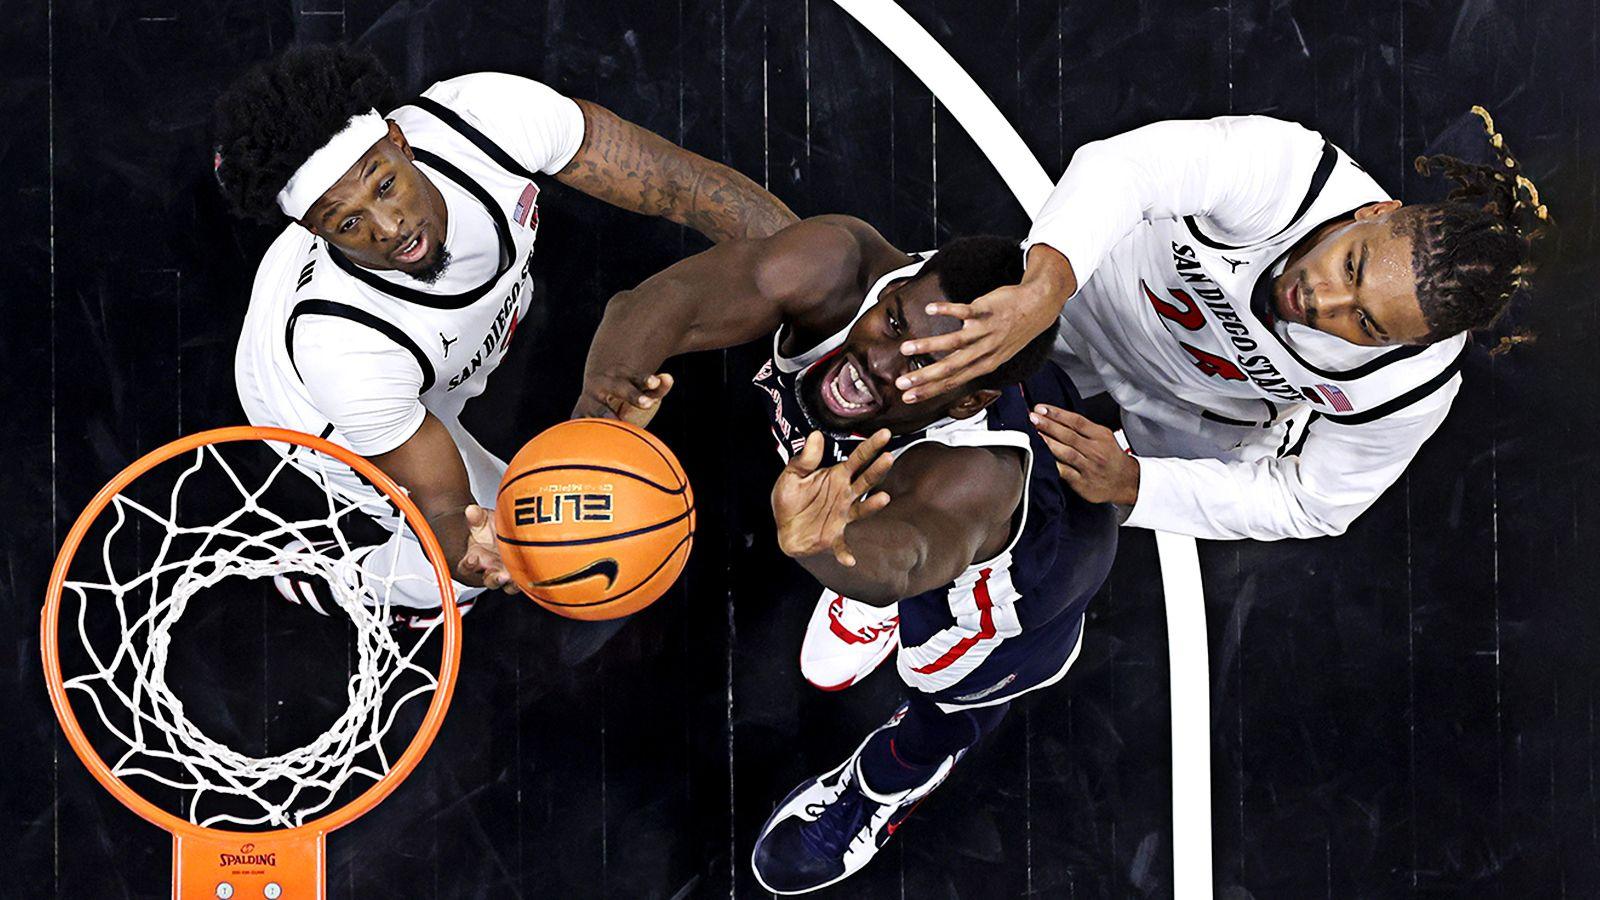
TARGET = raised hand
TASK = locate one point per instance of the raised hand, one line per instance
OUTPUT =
(812, 505)
(994, 327)
(481, 564)
(633, 400)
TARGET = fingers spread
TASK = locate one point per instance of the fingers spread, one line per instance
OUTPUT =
(842, 554)
(965, 336)
(868, 505)
(945, 375)
(864, 454)
(962, 311)
(810, 456)
(873, 476)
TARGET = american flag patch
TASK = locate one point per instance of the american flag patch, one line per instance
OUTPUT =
(527, 206)
(1336, 397)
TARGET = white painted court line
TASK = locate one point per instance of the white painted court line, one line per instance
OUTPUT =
(1191, 716)
(1180, 559)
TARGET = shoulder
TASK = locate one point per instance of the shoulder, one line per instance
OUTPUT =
(280, 266)
(1416, 391)
(982, 485)
(491, 93)
(1268, 130)
(540, 128)
(817, 262)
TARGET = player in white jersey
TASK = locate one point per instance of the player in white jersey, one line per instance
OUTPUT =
(1280, 335)
(399, 284)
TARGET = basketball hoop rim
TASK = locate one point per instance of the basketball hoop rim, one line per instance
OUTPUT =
(449, 656)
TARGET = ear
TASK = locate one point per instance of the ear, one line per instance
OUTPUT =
(398, 138)
(973, 403)
(1377, 209)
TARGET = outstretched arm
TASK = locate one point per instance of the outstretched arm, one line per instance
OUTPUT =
(638, 170)
(1338, 473)
(1242, 175)
(429, 467)
(940, 509)
(728, 295)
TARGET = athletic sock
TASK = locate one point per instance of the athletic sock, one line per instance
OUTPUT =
(885, 770)
(907, 755)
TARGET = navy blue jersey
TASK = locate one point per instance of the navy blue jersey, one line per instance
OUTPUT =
(1060, 552)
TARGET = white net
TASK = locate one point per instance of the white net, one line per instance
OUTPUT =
(155, 564)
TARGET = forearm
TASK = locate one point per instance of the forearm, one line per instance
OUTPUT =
(636, 336)
(638, 170)
(428, 465)
(447, 516)
(1263, 500)
(898, 558)
(1049, 277)
(706, 302)
(1339, 473)
(1229, 170)
(887, 556)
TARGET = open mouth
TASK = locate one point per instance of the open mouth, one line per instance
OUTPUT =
(414, 248)
(847, 390)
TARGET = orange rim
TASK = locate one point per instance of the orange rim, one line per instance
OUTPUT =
(448, 660)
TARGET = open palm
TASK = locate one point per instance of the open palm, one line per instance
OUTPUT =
(812, 505)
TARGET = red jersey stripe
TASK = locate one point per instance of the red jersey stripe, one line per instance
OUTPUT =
(980, 593)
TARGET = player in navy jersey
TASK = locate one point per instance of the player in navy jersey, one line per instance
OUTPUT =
(406, 264)
(969, 529)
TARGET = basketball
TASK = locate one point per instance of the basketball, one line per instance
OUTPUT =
(594, 519)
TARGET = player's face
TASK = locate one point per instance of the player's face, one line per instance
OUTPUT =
(1355, 283)
(384, 213)
(853, 391)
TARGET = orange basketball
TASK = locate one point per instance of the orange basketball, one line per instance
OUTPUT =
(595, 519)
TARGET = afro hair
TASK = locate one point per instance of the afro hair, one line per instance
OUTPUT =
(277, 114)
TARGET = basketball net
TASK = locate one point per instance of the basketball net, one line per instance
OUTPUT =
(250, 821)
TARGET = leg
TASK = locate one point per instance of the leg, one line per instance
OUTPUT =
(907, 755)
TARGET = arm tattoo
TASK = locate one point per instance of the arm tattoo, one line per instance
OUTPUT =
(638, 170)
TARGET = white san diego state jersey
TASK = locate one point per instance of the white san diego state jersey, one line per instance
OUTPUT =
(359, 355)
(1245, 426)
(1176, 323)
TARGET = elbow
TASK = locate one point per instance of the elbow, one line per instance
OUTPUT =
(884, 596)
(622, 300)
(886, 588)
(1313, 517)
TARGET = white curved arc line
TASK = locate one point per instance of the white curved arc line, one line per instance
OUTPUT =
(1180, 560)
(960, 95)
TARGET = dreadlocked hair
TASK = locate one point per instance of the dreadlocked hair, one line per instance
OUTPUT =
(1470, 253)
(278, 113)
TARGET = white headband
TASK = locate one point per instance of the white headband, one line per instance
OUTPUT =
(330, 162)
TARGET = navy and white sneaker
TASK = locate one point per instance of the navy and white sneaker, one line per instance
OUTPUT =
(832, 825)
